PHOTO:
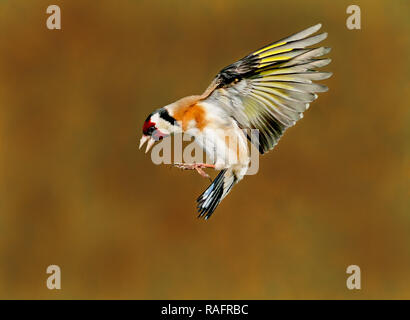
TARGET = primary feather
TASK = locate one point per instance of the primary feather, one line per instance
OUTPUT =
(270, 88)
(267, 90)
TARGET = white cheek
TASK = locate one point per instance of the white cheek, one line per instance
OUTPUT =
(167, 126)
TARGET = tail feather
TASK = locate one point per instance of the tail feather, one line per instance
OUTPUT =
(213, 195)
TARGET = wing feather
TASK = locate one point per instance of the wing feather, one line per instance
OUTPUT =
(270, 88)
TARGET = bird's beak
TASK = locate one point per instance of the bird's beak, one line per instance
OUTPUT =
(150, 140)
(144, 139)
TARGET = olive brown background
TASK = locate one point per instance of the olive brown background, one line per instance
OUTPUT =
(75, 190)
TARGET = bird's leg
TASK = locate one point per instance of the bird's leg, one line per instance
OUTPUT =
(195, 166)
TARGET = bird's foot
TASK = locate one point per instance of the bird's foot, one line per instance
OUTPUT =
(195, 166)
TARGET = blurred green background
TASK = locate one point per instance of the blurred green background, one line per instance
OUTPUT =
(75, 191)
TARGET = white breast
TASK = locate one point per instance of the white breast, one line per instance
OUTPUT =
(223, 141)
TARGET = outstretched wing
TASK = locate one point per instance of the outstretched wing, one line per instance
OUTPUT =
(270, 88)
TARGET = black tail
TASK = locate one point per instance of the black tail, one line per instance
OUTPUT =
(211, 197)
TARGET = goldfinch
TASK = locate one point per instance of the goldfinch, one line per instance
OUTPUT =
(267, 90)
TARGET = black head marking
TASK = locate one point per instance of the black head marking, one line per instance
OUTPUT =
(163, 113)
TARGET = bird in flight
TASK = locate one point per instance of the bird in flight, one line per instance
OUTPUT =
(267, 91)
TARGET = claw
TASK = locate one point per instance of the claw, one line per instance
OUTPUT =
(202, 173)
(197, 166)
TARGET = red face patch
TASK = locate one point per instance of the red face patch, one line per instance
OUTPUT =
(148, 127)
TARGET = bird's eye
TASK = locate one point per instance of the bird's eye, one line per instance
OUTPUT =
(151, 130)
(148, 128)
